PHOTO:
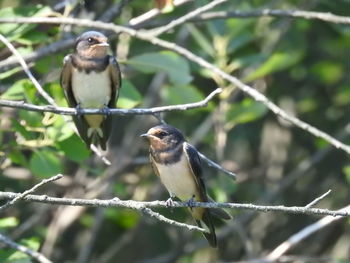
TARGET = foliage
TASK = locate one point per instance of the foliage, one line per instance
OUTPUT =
(299, 64)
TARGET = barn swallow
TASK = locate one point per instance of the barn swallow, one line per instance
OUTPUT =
(91, 79)
(178, 166)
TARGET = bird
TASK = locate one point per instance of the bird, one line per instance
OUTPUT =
(178, 165)
(91, 78)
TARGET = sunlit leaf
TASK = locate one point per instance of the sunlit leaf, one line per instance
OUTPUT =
(45, 163)
(8, 222)
(123, 218)
(181, 94)
(277, 62)
(166, 61)
(74, 148)
(246, 111)
(14, 31)
(328, 72)
(129, 96)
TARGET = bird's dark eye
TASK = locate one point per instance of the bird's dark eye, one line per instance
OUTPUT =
(90, 40)
(162, 134)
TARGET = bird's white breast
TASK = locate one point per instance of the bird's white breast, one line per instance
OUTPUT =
(93, 89)
(178, 179)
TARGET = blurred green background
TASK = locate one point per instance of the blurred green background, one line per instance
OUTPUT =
(301, 65)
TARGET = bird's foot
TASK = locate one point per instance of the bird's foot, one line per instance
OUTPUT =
(78, 108)
(170, 202)
(106, 111)
(190, 202)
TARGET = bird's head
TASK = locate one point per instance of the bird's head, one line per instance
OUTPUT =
(92, 44)
(164, 137)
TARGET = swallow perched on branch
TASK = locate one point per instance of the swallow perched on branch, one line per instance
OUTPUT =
(178, 166)
(91, 79)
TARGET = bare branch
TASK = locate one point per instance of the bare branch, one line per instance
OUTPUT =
(152, 13)
(72, 111)
(25, 67)
(327, 17)
(31, 190)
(183, 19)
(304, 233)
(318, 199)
(34, 254)
(162, 218)
(162, 204)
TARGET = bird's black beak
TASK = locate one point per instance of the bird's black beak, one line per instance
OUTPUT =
(103, 44)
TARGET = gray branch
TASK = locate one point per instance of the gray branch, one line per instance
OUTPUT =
(34, 254)
(138, 205)
(29, 191)
(72, 111)
(327, 17)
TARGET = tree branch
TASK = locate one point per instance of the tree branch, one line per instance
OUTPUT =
(162, 204)
(183, 19)
(301, 235)
(31, 190)
(25, 67)
(327, 17)
(256, 95)
(34, 254)
(73, 111)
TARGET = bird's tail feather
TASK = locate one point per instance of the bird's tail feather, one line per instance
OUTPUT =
(218, 212)
(95, 136)
(210, 235)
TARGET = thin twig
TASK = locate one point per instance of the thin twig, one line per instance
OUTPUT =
(34, 254)
(152, 13)
(25, 67)
(162, 218)
(183, 19)
(327, 17)
(100, 155)
(31, 190)
(256, 95)
(163, 204)
(304, 233)
(318, 199)
(72, 111)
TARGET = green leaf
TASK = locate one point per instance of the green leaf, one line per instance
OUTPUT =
(16, 91)
(8, 222)
(15, 31)
(129, 96)
(328, 72)
(61, 130)
(277, 62)
(166, 61)
(17, 157)
(342, 97)
(45, 163)
(201, 39)
(346, 170)
(181, 94)
(74, 148)
(123, 218)
(246, 111)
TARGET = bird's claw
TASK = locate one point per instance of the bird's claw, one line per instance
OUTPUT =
(78, 108)
(106, 111)
(190, 202)
(169, 202)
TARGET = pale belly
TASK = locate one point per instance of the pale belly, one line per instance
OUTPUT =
(91, 90)
(178, 179)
